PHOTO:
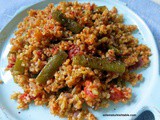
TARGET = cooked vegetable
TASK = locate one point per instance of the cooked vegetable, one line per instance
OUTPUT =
(88, 92)
(100, 9)
(68, 23)
(106, 40)
(51, 67)
(59, 16)
(99, 63)
(115, 49)
(18, 68)
(102, 40)
(15, 80)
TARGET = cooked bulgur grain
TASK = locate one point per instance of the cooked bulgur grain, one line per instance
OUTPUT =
(83, 32)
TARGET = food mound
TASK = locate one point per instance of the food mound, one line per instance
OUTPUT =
(75, 55)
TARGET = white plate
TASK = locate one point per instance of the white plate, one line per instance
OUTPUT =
(145, 95)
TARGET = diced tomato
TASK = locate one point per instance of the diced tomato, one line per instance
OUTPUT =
(72, 12)
(116, 95)
(74, 50)
(23, 96)
(39, 52)
(89, 93)
(14, 59)
(37, 96)
(92, 7)
(10, 65)
(54, 49)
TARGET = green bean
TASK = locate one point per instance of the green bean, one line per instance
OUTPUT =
(100, 9)
(106, 40)
(14, 79)
(68, 23)
(59, 16)
(74, 26)
(99, 63)
(102, 40)
(51, 67)
(115, 49)
(18, 68)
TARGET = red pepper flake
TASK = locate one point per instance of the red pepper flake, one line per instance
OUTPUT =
(116, 94)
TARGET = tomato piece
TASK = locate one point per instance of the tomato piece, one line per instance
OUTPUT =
(74, 50)
(14, 59)
(10, 65)
(54, 49)
(116, 95)
(23, 95)
(37, 96)
(89, 93)
(39, 52)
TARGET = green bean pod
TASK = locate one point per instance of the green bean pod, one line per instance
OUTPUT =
(99, 63)
(51, 67)
(102, 40)
(68, 23)
(100, 9)
(18, 68)
(118, 52)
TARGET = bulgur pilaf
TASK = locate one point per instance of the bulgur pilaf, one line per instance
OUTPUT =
(75, 54)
